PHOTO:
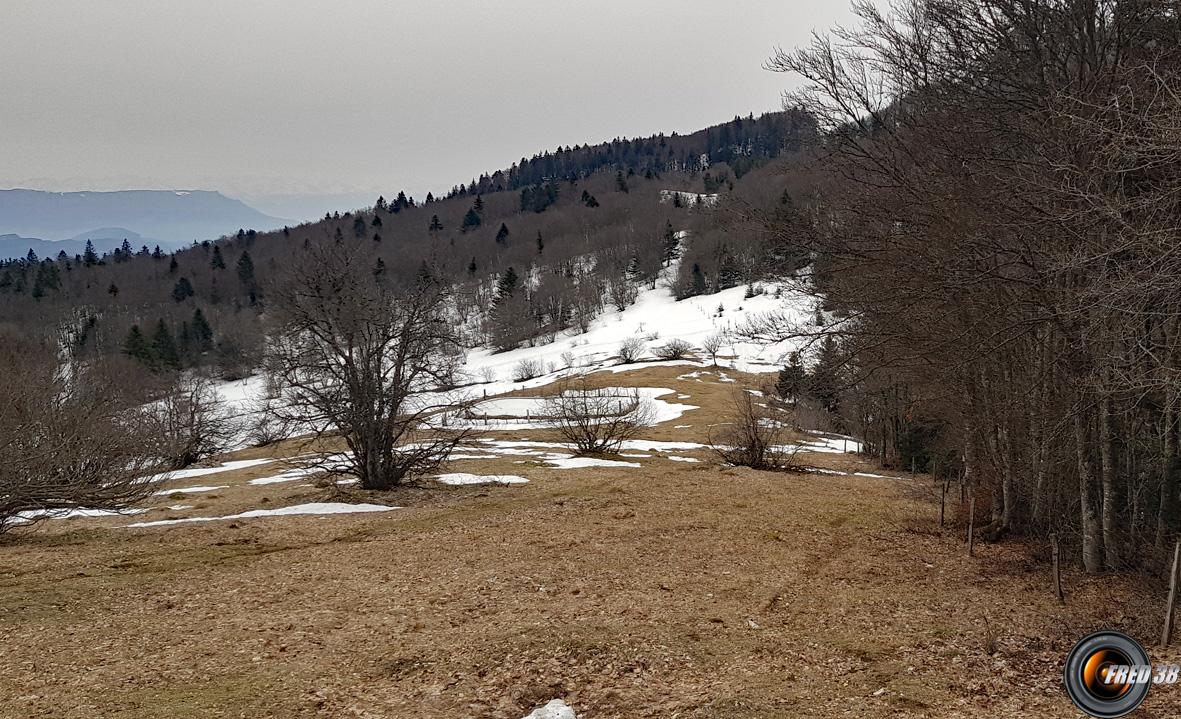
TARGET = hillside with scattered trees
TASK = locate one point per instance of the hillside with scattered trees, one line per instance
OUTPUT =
(531, 251)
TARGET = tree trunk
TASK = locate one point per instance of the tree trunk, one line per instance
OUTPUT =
(1092, 539)
(1108, 481)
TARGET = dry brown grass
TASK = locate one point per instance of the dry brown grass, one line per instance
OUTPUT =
(687, 590)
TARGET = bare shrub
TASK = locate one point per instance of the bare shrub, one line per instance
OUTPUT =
(527, 369)
(622, 293)
(752, 434)
(597, 421)
(267, 424)
(713, 345)
(70, 435)
(189, 423)
(631, 349)
(674, 349)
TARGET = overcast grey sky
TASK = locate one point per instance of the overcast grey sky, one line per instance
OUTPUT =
(289, 96)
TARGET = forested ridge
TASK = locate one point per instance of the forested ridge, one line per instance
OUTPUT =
(532, 250)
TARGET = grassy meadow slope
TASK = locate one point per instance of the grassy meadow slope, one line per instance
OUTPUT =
(671, 588)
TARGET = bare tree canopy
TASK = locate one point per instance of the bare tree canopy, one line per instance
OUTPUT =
(69, 435)
(993, 235)
(370, 360)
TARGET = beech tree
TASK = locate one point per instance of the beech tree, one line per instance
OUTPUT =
(371, 361)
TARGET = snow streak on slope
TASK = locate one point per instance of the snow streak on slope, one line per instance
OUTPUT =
(656, 317)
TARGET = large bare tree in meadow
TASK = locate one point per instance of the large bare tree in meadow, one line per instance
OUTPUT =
(369, 359)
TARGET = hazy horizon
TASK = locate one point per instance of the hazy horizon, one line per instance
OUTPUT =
(276, 99)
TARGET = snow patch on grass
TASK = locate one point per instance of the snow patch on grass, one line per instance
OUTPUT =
(188, 490)
(311, 508)
(461, 478)
(583, 462)
(557, 709)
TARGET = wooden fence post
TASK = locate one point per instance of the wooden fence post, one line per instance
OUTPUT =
(1166, 635)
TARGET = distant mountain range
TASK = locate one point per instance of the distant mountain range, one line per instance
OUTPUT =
(50, 222)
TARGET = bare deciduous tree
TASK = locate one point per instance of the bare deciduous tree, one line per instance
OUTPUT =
(368, 360)
(597, 421)
(713, 345)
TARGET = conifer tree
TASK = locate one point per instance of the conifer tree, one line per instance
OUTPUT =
(471, 220)
(182, 290)
(435, 226)
(540, 244)
(471, 268)
(201, 332)
(507, 285)
(136, 346)
(172, 266)
(697, 282)
(246, 270)
(502, 235)
(793, 379)
(217, 263)
(164, 348)
(113, 290)
(670, 244)
(89, 256)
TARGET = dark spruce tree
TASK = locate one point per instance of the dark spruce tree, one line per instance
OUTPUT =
(246, 270)
(201, 332)
(471, 220)
(182, 290)
(89, 256)
(217, 262)
(164, 348)
(136, 346)
(502, 235)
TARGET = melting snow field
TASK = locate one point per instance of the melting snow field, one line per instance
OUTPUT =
(657, 317)
(460, 478)
(309, 508)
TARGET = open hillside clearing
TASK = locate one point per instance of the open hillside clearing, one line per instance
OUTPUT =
(665, 589)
